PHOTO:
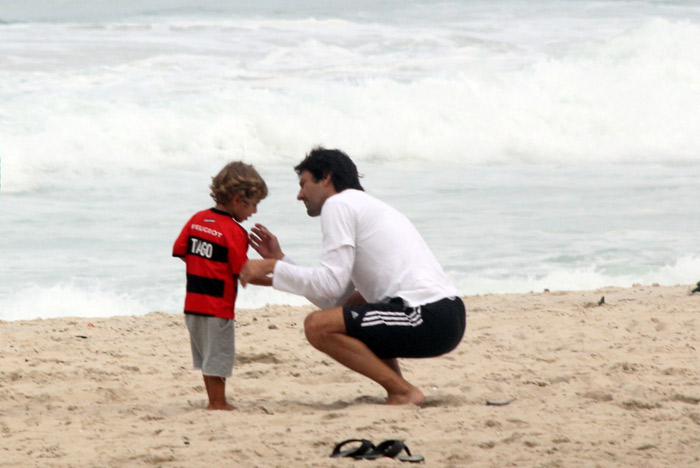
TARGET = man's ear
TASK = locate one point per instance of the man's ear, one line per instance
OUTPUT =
(327, 180)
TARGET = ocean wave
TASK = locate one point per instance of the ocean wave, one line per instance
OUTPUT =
(683, 270)
(629, 98)
(72, 300)
(66, 300)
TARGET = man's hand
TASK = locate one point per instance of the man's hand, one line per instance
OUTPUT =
(265, 243)
(257, 271)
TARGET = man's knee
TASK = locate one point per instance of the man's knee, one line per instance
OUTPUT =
(322, 323)
(313, 327)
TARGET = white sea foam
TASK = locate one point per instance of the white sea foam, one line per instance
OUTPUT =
(66, 300)
(683, 271)
(175, 95)
(72, 300)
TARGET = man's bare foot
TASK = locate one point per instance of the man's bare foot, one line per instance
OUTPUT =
(224, 407)
(413, 397)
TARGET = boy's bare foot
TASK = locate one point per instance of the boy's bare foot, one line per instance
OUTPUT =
(413, 397)
(224, 407)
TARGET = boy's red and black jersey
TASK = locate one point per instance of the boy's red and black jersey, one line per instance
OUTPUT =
(215, 248)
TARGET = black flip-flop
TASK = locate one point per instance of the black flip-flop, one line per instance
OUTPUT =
(392, 449)
(409, 457)
(388, 448)
(354, 452)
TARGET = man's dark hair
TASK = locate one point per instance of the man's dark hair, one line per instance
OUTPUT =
(321, 161)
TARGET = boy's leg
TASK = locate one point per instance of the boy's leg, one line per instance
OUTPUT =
(216, 340)
(325, 330)
(216, 390)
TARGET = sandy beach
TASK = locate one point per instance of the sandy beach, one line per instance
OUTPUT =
(588, 385)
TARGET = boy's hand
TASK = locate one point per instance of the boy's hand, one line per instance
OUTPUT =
(265, 243)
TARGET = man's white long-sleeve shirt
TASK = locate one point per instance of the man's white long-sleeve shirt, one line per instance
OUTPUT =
(371, 247)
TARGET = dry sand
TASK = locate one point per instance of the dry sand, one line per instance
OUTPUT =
(616, 385)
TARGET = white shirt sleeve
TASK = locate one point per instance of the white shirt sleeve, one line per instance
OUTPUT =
(325, 286)
(286, 258)
(329, 284)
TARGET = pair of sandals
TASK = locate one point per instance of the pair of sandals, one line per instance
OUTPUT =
(366, 450)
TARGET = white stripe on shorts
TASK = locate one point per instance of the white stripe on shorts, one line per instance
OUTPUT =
(392, 319)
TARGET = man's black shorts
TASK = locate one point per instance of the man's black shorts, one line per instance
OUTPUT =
(393, 330)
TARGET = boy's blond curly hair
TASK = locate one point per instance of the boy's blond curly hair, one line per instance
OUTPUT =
(239, 178)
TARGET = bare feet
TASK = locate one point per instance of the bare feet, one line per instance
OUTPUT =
(413, 397)
(216, 391)
(224, 407)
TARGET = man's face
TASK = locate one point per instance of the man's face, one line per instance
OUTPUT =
(314, 194)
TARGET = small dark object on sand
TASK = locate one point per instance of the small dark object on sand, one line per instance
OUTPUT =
(499, 403)
(601, 301)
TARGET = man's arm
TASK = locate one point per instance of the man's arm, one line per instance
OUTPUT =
(355, 299)
(257, 270)
(266, 281)
(330, 280)
(319, 285)
(328, 284)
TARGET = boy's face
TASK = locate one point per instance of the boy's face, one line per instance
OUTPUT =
(242, 208)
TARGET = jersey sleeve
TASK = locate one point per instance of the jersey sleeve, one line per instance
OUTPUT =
(180, 246)
(238, 249)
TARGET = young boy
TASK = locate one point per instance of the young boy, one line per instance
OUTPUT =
(214, 247)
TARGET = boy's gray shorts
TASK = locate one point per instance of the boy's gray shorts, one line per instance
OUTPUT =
(213, 344)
